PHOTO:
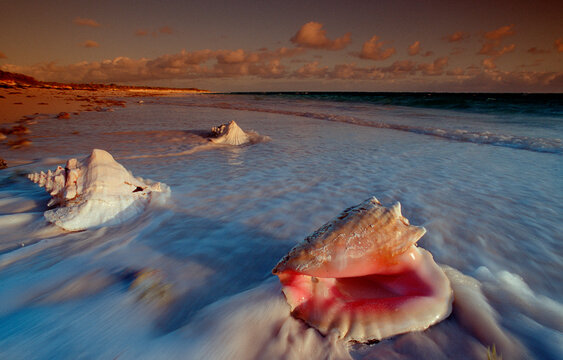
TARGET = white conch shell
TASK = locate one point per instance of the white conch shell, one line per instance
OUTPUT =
(230, 134)
(362, 276)
(95, 191)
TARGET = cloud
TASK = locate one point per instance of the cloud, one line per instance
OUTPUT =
(434, 68)
(201, 64)
(86, 22)
(311, 70)
(492, 46)
(90, 44)
(499, 33)
(456, 72)
(494, 53)
(311, 35)
(510, 81)
(373, 50)
(400, 68)
(493, 49)
(535, 51)
(2, 55)
(141, 32)
(414, 49)
(277, 64)
(489, 63)
(456, 36)
(166, 30)
(558, 44)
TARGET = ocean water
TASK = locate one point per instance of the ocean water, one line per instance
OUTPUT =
(191, 279)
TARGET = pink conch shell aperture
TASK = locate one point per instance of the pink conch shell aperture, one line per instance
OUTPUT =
(95, 191)
(362, 275)
(230, 134)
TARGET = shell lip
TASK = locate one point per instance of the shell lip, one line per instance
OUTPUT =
(411, 300)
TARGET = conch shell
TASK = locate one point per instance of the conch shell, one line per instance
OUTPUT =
(95, 191)
(230, 134)
(362, 275)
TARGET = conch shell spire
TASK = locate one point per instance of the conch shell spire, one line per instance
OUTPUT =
(361, 240)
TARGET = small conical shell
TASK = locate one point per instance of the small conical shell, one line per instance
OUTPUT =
(361, 240)
(230, 134)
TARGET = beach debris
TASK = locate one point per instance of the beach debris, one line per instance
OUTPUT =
(96, 191)
(362, 276)
(3, 164)
(19, 130)
(63, 115)
(230, 134)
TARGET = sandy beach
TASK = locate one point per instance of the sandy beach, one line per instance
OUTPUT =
(24, 106)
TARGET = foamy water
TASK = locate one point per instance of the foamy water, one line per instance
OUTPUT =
(487, 188)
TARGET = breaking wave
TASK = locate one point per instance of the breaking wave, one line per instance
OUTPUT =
(536, 144)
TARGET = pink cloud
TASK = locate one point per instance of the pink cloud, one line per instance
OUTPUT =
(511, 81)
(183, 65)
(499, 33)
(311, 70)
(492, 46)
(434, 68)
(2, 55)
(493, 49)
(311, 35)
(401, 68)
(558, 44)
(489, 63)
(90, 44)
(141, 32)
(373, 50)
(414, 49)
(457, 51)
(86, 22)
(457, 36)
(232, 57)
(456, 72)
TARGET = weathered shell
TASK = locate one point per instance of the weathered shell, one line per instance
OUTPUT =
(359, 240)
(230, 134)
(95, 191)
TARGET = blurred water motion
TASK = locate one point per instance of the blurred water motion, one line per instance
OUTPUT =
(191, 279)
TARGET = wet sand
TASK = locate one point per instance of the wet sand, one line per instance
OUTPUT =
(21, 107)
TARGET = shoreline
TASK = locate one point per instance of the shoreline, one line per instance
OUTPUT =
(23, 105)
(20, 104)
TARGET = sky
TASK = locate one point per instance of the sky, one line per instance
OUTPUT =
(353, 45)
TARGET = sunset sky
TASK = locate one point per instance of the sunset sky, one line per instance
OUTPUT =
(289, 45)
